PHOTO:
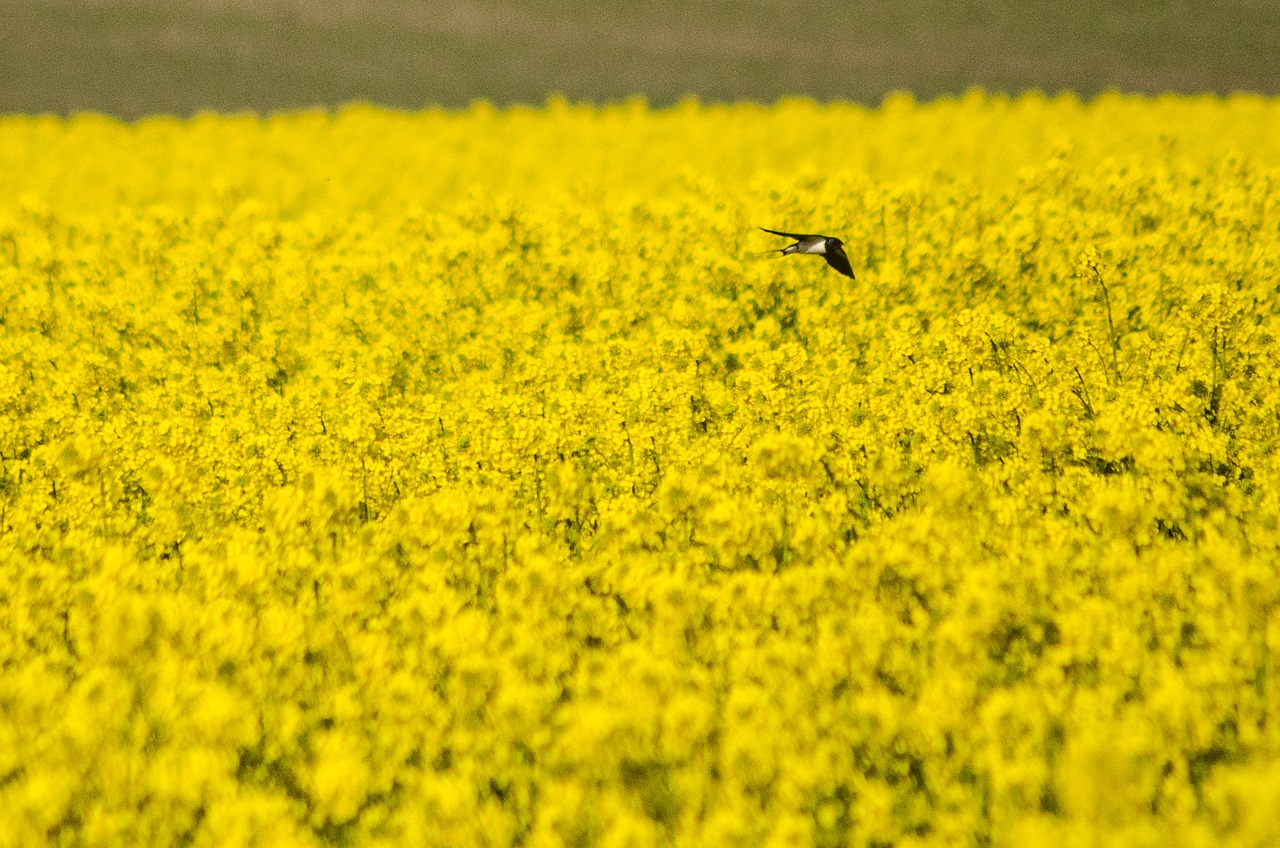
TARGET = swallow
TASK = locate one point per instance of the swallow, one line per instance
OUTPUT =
(828, 247)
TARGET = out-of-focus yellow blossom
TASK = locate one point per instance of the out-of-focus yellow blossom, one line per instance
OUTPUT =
(375, 478)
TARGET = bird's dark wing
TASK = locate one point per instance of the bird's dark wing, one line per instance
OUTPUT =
(796, 236)
(840, 261)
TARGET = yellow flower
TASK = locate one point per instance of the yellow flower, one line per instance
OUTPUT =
(376, 478)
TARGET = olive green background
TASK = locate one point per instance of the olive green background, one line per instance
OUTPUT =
(135, 57)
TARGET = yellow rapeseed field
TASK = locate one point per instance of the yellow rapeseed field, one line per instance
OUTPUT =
(465, 478)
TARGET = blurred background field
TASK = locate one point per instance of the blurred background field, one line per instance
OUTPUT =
(136, 57)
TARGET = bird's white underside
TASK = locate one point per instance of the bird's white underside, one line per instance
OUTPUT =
(815, 246)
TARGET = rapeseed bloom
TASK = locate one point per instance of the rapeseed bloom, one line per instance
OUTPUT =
(378, 478)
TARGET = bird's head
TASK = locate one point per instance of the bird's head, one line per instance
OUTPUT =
(834, 245)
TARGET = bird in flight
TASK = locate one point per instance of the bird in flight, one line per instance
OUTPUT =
(828, 247)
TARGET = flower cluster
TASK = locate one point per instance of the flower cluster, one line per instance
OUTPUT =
(466, 479)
